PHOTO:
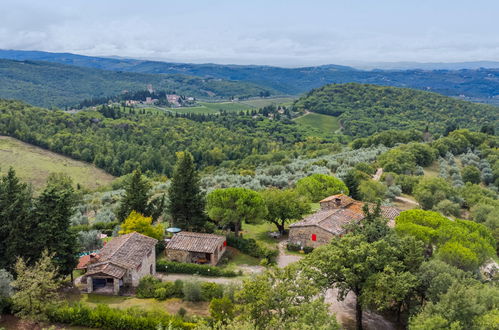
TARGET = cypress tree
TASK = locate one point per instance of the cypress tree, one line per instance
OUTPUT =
(186, 201)
(16, 221)
(136, 196)
(53, 210)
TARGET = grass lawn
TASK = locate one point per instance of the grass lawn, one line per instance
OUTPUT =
(319, 124)
(260, 233)
(432, 170)
(34, 165)
(170, 305)
(260, 103)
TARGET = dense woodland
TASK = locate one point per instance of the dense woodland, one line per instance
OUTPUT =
(367, 109)
(55, 85)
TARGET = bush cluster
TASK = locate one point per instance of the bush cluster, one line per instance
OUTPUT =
(186, 268)
(105, 317)
(252, 248)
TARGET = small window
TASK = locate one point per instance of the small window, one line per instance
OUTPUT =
(314, 237)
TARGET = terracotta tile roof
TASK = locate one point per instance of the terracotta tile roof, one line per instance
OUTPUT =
(107, 269)
(345, 200)
(121, 253)
(83, 261)
(334, 220)
(195, 242)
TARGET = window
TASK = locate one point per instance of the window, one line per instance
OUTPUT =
(221, 247)
(314, 237)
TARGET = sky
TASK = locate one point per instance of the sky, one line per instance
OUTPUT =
(271, 32)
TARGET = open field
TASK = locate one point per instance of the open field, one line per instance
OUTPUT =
(34, 165)
(260, 103)
(319, 124)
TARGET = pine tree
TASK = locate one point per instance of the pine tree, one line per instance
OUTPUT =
(16, 222)
(186, 201)
(53, 210)
(136, 196)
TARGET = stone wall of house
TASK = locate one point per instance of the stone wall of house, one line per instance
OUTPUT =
(147, 267)
(303, 236)
(217, 255)
(178, 255)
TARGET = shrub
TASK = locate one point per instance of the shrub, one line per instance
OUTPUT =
(211, 290)
(105, 317)
(186, 268)
(251, 247)
(222, 309)
(147, 287)
(307, 249)
(192, 291)
(293, 247)
(161, 293)
(182, 312)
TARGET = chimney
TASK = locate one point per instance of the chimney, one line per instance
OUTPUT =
(337, 202)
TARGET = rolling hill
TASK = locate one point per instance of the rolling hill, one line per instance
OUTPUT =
(57, 85)
(366, 109)
(480, 85)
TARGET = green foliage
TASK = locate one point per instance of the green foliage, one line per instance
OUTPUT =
(430, 191)
(222, 309)
(231, 207)
(192, 290)
(89, 240)
(187, 268)
(35, 287)
(138, 223)
(461, 307)
(5, 283)
(388, 138)
(464, 244)
(136, 196)
(252, 247)
(279, 298)
(367, 109)
(446, 207)
(471, 174)
(105, 317)
(147, 286)
(210, 290)
(185, 199)
(284, 206)
(372, 191)
(319, 186)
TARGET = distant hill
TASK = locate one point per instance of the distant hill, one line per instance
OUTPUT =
(57, 85)
(480, 85)
(366, 109)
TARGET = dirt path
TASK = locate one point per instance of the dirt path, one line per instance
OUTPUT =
(345, 313)
(406, 200)
(284, 259)
(190, 277)
(378, 174)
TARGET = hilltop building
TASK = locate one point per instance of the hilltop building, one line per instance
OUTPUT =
(331, 220)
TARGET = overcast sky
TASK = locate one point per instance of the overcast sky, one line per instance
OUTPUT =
(274, 32)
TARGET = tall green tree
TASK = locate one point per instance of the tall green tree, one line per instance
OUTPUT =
(186, 201)
(53, 210)
(284, 206)
(16, 221)
(136, 196)
(231, 207)
(35, 287)
(318, 186)
(351, 264)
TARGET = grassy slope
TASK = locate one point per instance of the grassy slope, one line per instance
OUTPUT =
(319, 124)
(34, 165)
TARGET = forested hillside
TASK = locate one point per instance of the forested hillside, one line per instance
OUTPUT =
(128, 139)
(481, 84)
(56, 85)
(366, 109)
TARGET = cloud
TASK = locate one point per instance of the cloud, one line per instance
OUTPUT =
(278, 33)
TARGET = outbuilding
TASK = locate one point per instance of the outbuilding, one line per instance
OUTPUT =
(198, 248)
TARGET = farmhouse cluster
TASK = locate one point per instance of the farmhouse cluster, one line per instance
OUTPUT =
(124, 260)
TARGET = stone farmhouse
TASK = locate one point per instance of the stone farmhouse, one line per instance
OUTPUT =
(196, 248)
(335, 214)
(123, 261)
